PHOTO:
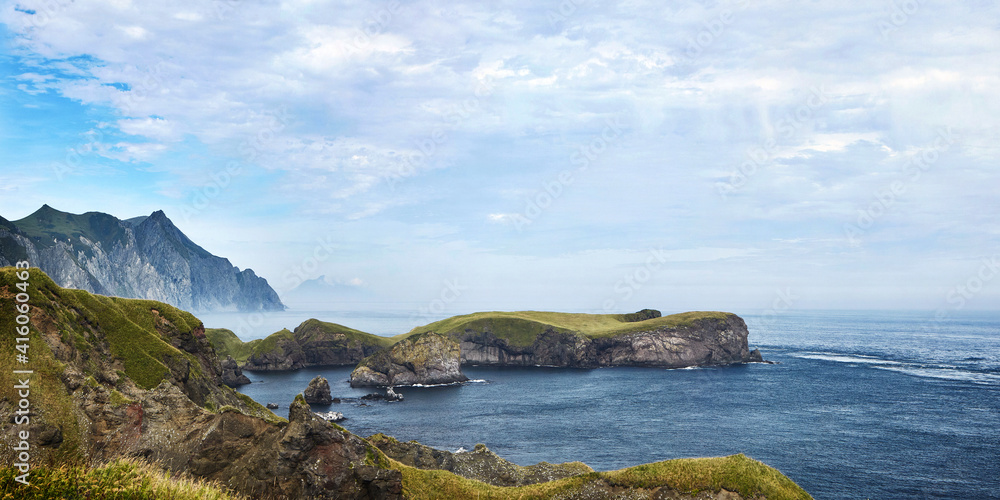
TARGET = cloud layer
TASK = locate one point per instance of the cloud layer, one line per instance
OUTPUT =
(764, 144)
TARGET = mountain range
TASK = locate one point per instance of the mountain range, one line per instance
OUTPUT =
(143, 257)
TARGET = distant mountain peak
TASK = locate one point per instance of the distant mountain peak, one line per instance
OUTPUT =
(143, 257)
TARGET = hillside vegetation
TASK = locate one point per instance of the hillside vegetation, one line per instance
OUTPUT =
(306, 344)
(737, 473)
(120, 479)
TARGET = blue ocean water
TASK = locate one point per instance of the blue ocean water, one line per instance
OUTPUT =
(862, 405)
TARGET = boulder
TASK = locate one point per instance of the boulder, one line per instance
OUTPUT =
(231, 373)
(423, 359)
(318, 392)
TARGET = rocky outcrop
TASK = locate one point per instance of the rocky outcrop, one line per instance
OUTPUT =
(425, 359)
(705, 342)
(318, 392)
(231, 373)
(144, 257)
(312, 343)
(126, 378)
(480, 464)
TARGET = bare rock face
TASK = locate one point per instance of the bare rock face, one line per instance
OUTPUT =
(425, 359)
(145, 257)
(707, 342)
(480, 464)
(314, 343)
(318, 392)
(156, 393)
(231, 373)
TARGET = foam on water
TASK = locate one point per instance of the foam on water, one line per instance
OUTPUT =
(946, 374)
(936, 371)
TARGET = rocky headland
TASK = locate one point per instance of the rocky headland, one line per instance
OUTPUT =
(591, 341)
(527, 338)
(424, 359)
(312, 343)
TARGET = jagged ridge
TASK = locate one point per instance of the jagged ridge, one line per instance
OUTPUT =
(142, 257)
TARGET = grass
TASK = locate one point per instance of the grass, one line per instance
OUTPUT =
(522, 327)
(315, 330)
(226, 343)
(748, 477)
(48, 394)
(118, 480)
(48, 223)
(270, 343)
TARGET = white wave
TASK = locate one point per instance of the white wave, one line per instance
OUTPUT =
(435, 385)
(946, 374)
(846, 358)
(477, 381)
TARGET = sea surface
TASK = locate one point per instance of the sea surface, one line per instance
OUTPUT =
(864, 404)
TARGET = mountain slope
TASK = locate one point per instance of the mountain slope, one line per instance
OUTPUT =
(143, 257)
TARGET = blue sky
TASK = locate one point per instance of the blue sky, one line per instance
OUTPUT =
(572, 155)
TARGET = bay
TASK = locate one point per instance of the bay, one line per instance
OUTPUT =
(864, 404)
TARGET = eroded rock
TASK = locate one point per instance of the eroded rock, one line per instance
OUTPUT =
(318, 391)
(424, 359)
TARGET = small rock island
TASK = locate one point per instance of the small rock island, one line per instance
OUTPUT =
(318, 392)
(424, 359)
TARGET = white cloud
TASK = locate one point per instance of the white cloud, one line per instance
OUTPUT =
(459, 109)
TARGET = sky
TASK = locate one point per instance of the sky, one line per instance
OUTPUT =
(450, 157)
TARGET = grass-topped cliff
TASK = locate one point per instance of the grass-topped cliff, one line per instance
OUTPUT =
(521, 338)
(312, 343)
(522, 327)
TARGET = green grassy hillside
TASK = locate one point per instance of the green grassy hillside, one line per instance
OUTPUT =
(314, 330)
(48, 223)
(97, 335)
(736, 473)
(226, 342)
(522, 327)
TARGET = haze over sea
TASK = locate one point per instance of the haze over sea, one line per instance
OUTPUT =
(864, 404)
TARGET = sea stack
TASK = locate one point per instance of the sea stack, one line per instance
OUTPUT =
(424, 359)
(231, 373)
(318, 392)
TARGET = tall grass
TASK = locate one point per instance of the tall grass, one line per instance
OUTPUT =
(122, 479)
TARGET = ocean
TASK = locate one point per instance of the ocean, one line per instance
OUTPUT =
(862, 404)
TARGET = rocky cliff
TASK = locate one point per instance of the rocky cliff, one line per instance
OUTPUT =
(312, 343)
(120, 377)
(587, 341)
(480, 463)
(526, 338)
(144, 257)
(318, 391)
(424, 359)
